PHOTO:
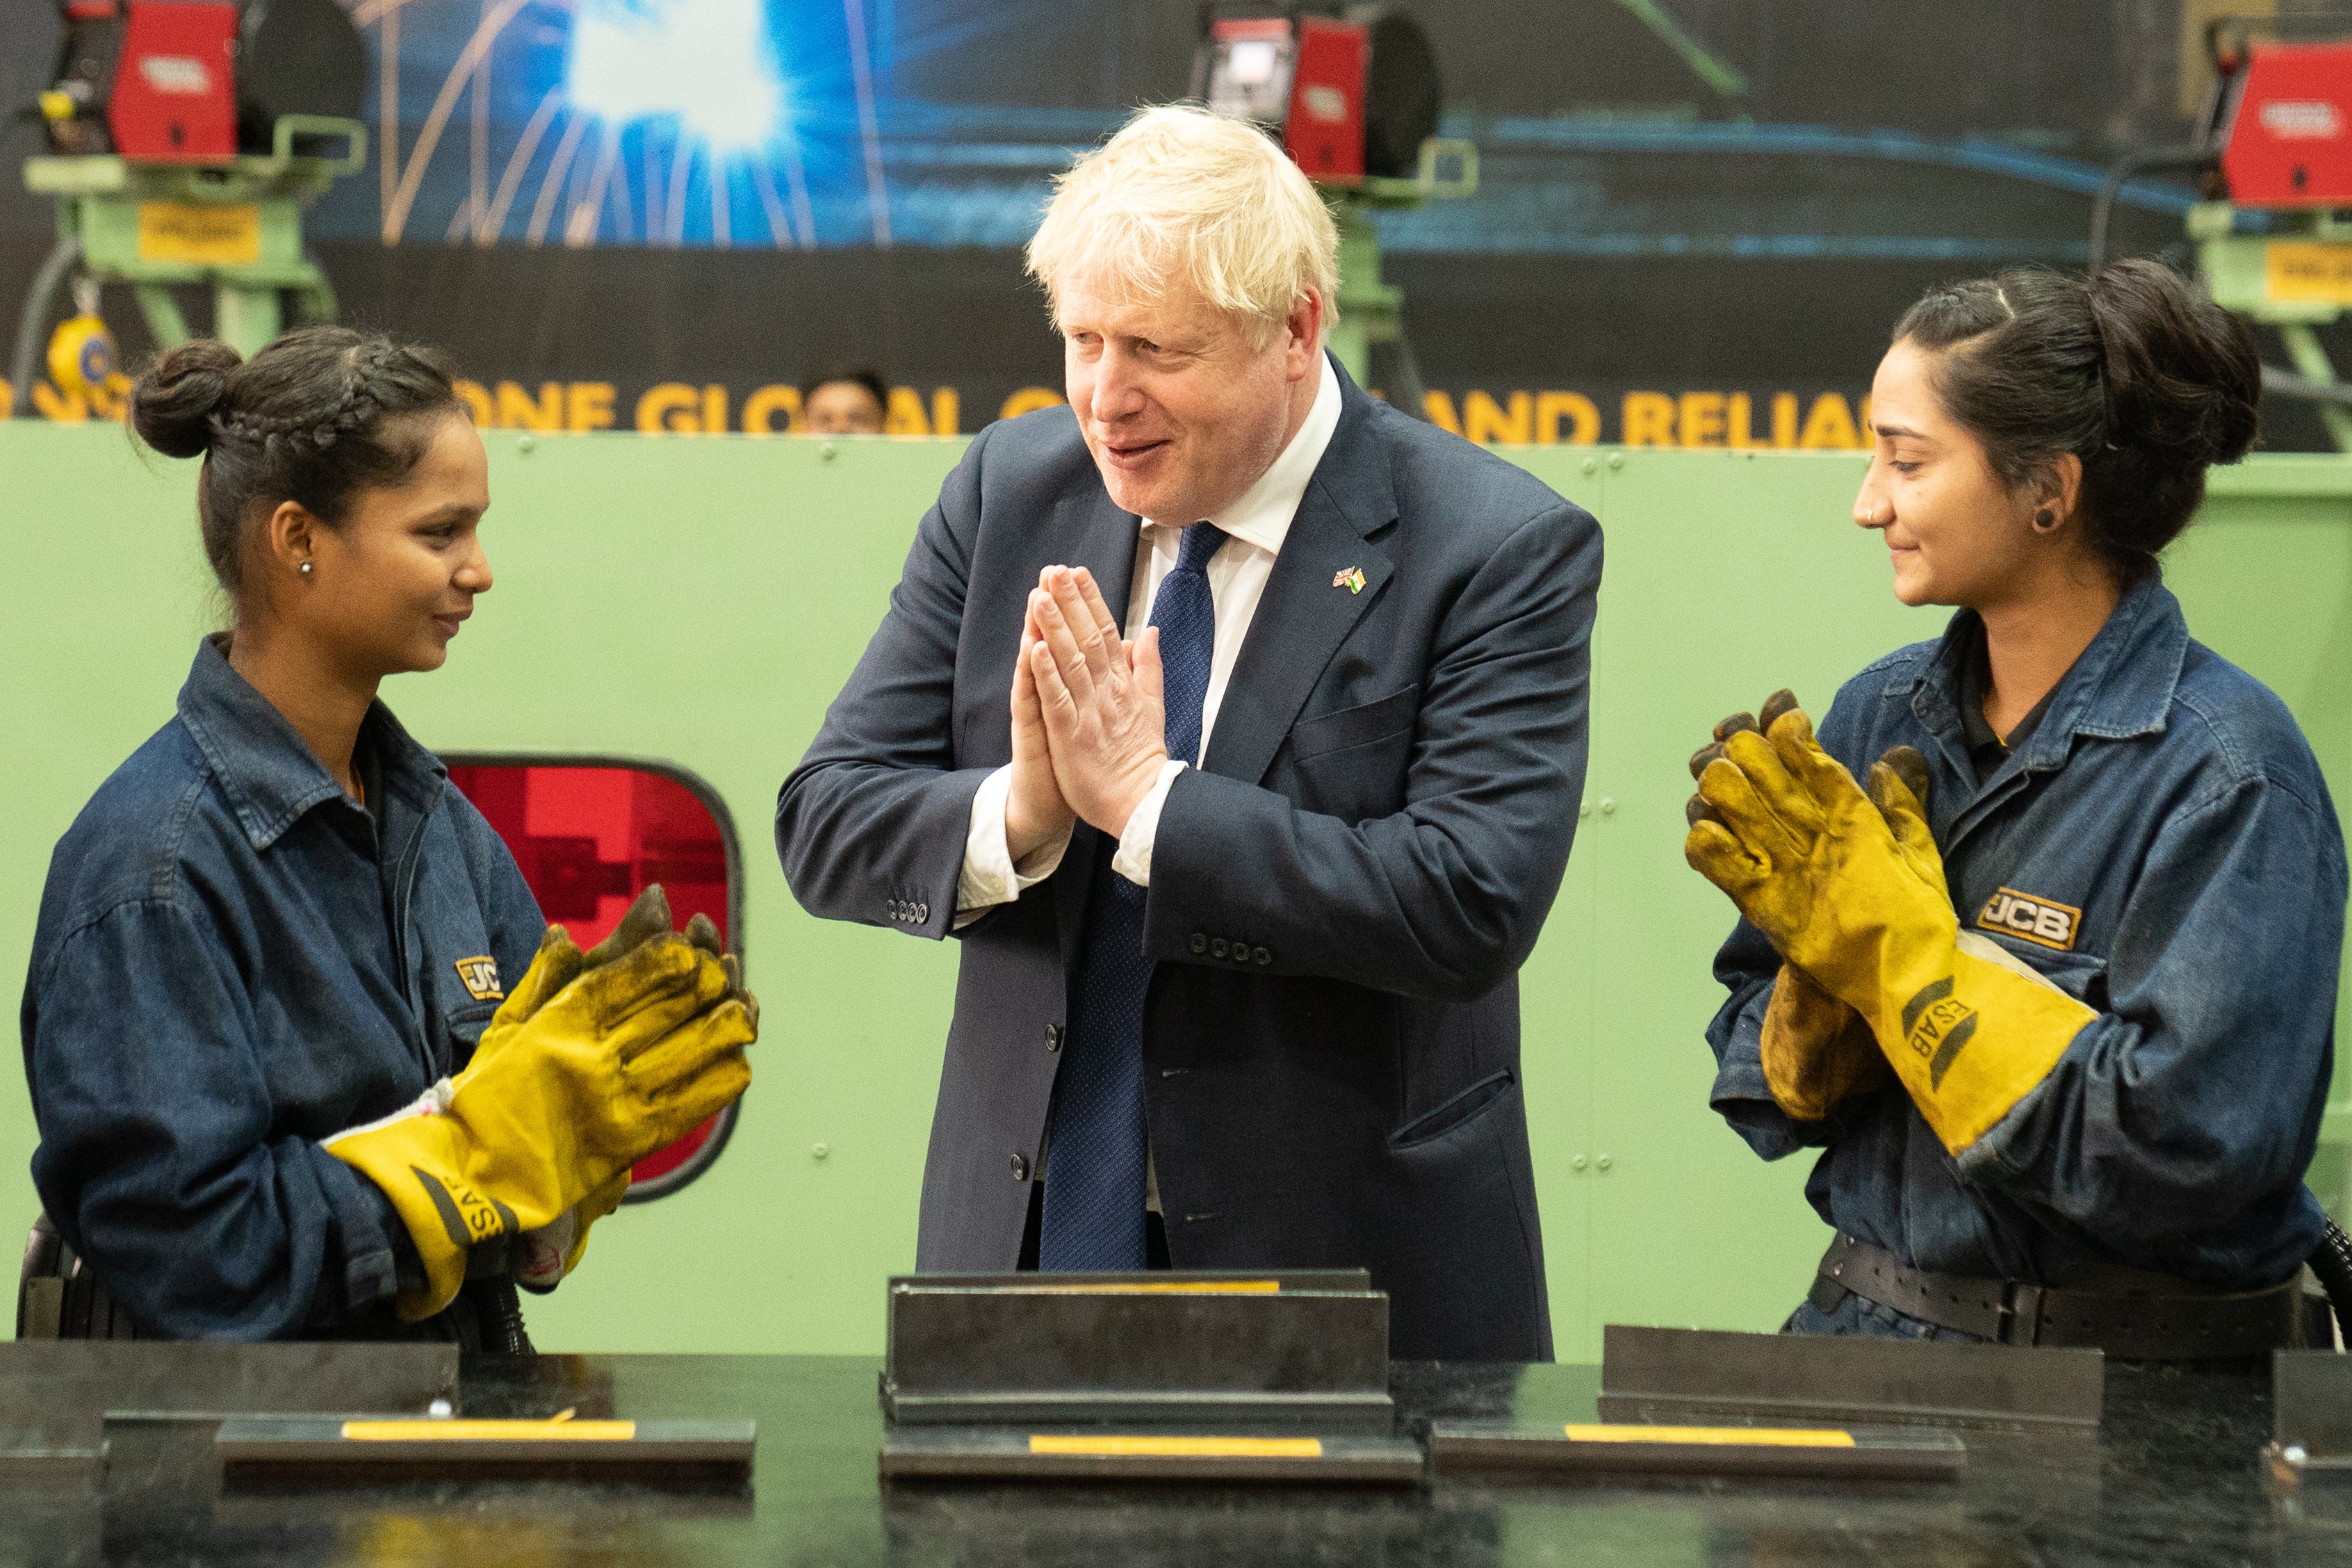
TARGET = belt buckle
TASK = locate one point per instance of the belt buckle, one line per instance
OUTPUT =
(2021, 1314)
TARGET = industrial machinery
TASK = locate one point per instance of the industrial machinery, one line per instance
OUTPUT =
(2273, 238)
(1353, 97)
(184, 137)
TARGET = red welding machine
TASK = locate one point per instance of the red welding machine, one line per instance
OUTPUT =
(147, 78)
(1349, 97)
(196, 81)
(2288, 117)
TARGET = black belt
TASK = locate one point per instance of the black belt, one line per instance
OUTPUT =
(2170, 1321)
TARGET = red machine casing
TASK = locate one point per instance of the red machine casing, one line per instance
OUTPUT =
(2290, 141)
(1324, 130)
(589, 839)
(174, 93)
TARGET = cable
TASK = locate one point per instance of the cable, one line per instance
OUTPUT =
(2103, 205)
(21, 371)
(498, 1316)
(2331, 1261)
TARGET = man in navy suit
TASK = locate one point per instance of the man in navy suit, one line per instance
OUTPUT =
(1242, 895)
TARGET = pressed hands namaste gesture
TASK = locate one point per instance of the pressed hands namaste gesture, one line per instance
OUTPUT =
(1088, 732)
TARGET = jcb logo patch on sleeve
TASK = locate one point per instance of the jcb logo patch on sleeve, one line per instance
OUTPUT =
(481, 978)
(2038, 921)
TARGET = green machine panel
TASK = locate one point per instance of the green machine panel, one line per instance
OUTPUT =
(698, 600)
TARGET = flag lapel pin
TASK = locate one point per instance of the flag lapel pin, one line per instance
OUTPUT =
(1350, 578)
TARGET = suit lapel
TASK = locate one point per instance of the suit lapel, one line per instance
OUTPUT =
(1310, 603)
(1102, 539)
(1094, 533)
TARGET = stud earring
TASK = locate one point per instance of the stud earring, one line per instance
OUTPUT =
(304, 569)
(2044, 521)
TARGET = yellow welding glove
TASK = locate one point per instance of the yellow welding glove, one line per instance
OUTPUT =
(543, 1258)
(617, 1063)
(1814, 1051)
(1813, 863)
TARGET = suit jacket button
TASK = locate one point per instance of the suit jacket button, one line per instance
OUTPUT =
(1261, 954)
(923, 912)
(1241, 951)
(1200, 943)
(1052, 1036)
(1020, 1167)
(1217, 948)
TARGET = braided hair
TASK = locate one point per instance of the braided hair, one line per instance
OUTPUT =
(2131, 369)
(315, 417)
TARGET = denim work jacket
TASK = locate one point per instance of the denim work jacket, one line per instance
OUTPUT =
(227, 970)
(2164, 849)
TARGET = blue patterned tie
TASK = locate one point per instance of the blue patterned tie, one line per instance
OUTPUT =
(1094, 1189)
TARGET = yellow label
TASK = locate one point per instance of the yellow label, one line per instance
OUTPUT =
(1185, 1447)
(490, 1431)
(2303, 272)
(1729, 1436)
(199, 232)
(1164, 1287)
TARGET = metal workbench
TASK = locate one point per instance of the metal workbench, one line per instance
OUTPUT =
(2175, 1476)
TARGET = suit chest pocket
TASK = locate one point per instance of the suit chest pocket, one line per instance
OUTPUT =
(1352, 763)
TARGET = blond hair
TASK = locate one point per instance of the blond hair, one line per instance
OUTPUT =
(1184, 195)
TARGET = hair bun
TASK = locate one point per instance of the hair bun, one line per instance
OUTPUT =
(174, 399)
(2183, 375)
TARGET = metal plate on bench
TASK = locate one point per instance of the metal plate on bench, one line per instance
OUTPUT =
(54, 1393)
(990, 1452)
(1510, 1449)
(2311, 1417)
(1162, 1349)
(333, 1448)
(1699, 1377)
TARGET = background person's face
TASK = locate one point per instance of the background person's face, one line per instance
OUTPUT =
(1180, 411)
(843, 408)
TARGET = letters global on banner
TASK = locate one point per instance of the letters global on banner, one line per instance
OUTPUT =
(1734, 421)
(1738, 421)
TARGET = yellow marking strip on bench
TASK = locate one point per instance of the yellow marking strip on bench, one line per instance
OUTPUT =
(1167, 1288)
(1184, 1447)
(490, 1431)
(1730, 1436)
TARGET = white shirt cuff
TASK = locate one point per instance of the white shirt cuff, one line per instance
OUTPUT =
(1133, 860)
(989, 877)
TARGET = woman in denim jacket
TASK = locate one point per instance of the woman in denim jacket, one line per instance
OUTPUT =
(276, 934)
(2059, 996)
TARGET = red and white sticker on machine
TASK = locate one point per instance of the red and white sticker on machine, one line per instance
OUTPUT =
(2043, 922)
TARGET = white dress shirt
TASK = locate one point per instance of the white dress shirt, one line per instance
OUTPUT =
(1256, 524)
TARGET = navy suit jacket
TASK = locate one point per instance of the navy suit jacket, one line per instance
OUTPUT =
(1341, 895)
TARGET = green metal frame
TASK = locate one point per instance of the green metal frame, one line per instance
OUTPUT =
(2236, 269)
(700, 600)
(99, 198)
(1371, 310)
(1721, 78)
